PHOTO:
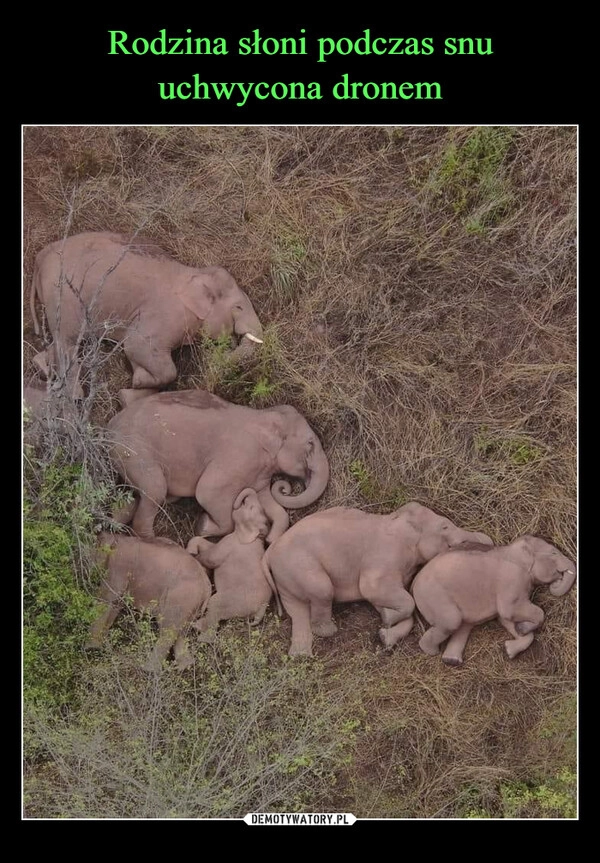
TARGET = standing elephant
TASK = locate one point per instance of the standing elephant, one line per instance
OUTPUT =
(241, 587)
(131, 290)
(344, 555)
(460, 589)
(161, 577)
(191, 443)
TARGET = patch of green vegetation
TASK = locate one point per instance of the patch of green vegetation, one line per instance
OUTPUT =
(247, 730)
(287, 257)
(472, 180)
(366, 483)
(514, 449)
(57, 606)
(555, 798)
(261, 390)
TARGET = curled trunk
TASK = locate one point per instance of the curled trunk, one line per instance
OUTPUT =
(317, 479)
(563, 584)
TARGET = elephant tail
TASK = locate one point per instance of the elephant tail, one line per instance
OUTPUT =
(32, 296)
(267, 573)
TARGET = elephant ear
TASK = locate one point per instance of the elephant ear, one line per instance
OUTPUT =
(270, 434)
(198, 297)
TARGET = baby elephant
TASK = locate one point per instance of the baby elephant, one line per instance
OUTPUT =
(242, 589)
(461, 588)
(162, 578)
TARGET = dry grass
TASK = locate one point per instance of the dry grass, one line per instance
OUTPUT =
(418, 291)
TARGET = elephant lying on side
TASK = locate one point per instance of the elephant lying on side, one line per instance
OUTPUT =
(242, 589)
(193, 444)
(343, 555)
(162, 578)
(460, 589)
(132, 290)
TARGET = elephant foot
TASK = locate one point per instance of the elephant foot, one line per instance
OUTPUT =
(92, 645)
(524, 627)
(454, 661)
(299, 651)
(386, 638)
(324, 628)
(427, 647)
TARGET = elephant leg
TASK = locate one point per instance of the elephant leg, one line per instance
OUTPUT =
(319, 589)
(110, 595)
(152, 364)
(99, 627)
(453, 654)
(183, 657)
(277, 515)
(207, 625)
(321, 617)
(391, 635)
(124, 514)
(518, 643)
(301, 631)
(62, 359)
(165, 642)
(216, 497)
(387, 593)
(40, 361)
(527, 617)
(260, 613)
(389, 616)
(152, 497)
(431, 641)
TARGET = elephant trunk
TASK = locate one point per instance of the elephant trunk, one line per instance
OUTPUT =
(481, 538)
(317, 479)
(564, 583)
(249, 331)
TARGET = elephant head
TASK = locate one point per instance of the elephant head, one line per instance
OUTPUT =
(300, 456)
(546, 564)
(214, 297)
(437, 534)
(249, 517)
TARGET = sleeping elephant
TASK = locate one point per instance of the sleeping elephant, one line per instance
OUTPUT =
(344, 555)
(241, 587)
(191, 443)
(460, 589)
(131, 290)
(162, 578)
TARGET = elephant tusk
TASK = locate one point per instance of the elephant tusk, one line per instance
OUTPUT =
(569, 572)
(252, 338)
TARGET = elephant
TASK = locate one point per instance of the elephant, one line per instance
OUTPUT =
(162, 578)
(130, 290)
(344, 555)
(191, 443)
(462, 588)
(242, 589)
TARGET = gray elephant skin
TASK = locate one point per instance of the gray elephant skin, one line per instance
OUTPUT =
(344, 555)
(241, 587)
(162, 578)
(191, 443)
(458, 590)
(132, 290)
